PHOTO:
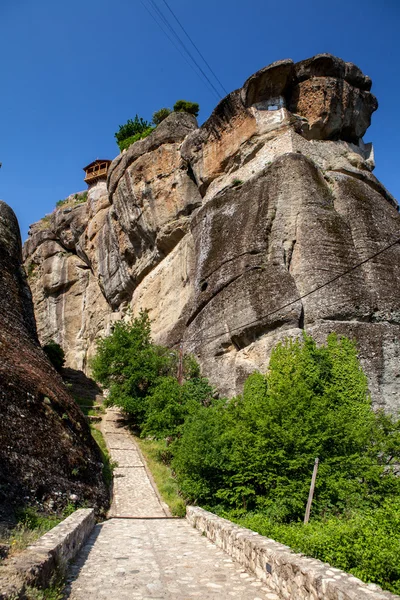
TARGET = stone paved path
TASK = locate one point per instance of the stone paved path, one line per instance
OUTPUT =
(150, 556)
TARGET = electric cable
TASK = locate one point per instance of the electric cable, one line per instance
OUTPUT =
(206, 79)
(173, 43)
(195, 47)
(316, 289)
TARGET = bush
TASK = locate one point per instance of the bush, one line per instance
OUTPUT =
(185, 106)
(364, 543)
(55, 354)
(131, 128)
(257, 451)
(160, 115)
(135, 138)
(142, 378)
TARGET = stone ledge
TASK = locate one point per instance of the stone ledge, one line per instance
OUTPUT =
(291, 576)
(36, 565)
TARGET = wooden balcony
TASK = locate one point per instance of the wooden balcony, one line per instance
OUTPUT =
(96, 174)
(98, 169)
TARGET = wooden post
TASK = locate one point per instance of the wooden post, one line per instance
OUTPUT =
(311, 494)
(180, 364)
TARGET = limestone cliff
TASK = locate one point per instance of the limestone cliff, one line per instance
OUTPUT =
(47, 452)
(219, 230)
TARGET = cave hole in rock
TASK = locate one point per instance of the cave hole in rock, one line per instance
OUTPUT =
(204, 286)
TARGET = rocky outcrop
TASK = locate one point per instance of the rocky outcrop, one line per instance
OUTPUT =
(222, 232)
(47, 452)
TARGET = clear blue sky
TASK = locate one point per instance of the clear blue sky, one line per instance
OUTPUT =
(71, 72)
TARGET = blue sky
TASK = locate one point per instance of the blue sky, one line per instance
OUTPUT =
(71, 72)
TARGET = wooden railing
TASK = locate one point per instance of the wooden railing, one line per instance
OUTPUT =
(96, 174)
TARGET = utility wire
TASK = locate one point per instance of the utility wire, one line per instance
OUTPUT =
(170, 27)
(172, 41)
(167, 23)
(316, 289)
(194, 46)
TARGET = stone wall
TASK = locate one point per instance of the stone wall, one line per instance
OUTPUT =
(291, 576)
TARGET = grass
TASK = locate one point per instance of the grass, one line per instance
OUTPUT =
(108, 464)
(55, 591)
(30, 527)
(71, 201)
(154, 452)
(88, 407)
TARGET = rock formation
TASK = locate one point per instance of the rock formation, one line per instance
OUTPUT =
(47, 452)
(219, 230)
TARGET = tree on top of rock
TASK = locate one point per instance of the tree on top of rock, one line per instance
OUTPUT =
(185, 106)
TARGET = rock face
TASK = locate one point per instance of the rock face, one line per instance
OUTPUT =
(47, 452)
(222, 232)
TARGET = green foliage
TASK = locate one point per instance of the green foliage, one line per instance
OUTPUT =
(142, 378)
(75, 199)
(55, 353)
(257, 451)
(108, 464)
(237, 182)
(185, 106)
(136, 128)
(31, 268)
(135, 138)
(157, 457)
(364, 543)
(160, 115)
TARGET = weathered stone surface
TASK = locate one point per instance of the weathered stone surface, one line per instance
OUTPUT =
(53, 551)
(46, 450)
(219, 230)
(291, 576)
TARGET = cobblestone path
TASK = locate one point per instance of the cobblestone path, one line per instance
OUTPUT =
(142, 554)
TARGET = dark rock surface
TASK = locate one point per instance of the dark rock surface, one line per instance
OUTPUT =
(46, 449)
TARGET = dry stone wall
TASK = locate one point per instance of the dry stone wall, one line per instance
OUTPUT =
(291, 576)
(219, 230)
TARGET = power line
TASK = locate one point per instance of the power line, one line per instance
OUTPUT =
(316, 289)
(194, 46)
(167, 23)
(164, 18)
(172, 41)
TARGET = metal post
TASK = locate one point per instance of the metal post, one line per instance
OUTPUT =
(311, 494)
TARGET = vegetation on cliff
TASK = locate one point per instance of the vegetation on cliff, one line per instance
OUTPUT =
(251, 458)
(138, 128)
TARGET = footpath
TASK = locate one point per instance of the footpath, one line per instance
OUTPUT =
(141, 553)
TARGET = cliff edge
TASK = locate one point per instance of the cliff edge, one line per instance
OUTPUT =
(222, 231)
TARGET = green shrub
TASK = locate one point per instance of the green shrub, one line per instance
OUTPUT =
(364, 543)
(124, 144)
(55, 353)
(160, 115)
(185, 106)
(142, 378)
(131, 128)
(257, 451)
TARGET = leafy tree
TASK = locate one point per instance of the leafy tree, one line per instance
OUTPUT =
(160, 115)
(185, 106)
(142, 378)
(261, 446)
(55, 354)
(131, 128)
